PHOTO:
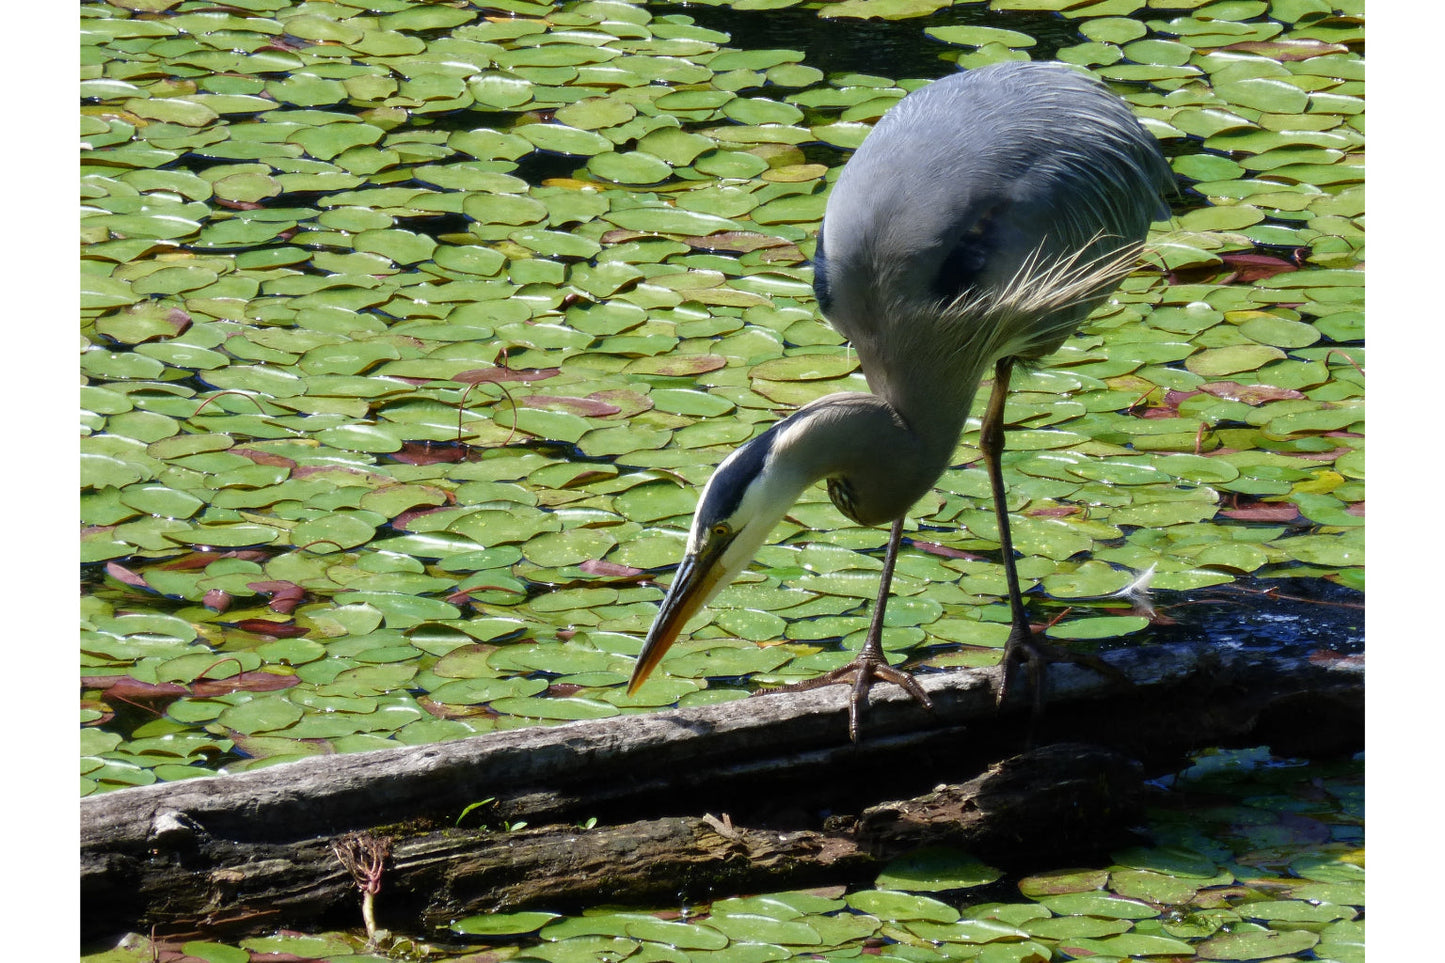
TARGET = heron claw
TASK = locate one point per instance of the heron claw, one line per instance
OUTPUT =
(861, 673)
(1023, 646)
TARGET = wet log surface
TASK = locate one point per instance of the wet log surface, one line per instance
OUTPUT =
(766, 793)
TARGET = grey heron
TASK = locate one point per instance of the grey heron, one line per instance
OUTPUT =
(978, 224)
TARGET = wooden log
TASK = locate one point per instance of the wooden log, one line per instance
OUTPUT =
(1056, 797)
(252, 850)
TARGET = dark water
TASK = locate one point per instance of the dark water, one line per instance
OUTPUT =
(1293, 613)
(886, 48)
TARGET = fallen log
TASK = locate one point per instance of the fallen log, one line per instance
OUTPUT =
(432, 879)
(254, 851)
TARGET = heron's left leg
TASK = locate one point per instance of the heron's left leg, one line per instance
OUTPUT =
(1022, 644)
(870, 664)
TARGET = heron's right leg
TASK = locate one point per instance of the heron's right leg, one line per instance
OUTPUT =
(871, 664)
(1022, 644)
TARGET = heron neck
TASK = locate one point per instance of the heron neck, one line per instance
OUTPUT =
(879, 463)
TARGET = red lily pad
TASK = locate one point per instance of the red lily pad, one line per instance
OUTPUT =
(264, 457)
(585, 407)
(1288, 49)
(678, 366)
(285, 596)
(609, 569)
(279, 630)
(257, 680)
(1247, 268)
(428, 453)
(1263, 512)
(120, 573)
(943, 551)
(477, 376)
(1253, 395)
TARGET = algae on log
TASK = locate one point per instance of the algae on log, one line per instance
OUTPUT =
(695, 803)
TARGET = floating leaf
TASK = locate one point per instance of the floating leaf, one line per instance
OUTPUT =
(1220, 362)
(752, 928)
(260, 714)
(502, 924)
(630, 167)
(1098, 627)
(891, 905)
(562, 139)
(933, 869)
(684, 936)
(1257, 946)
(1098, 904)
(978, 36)
(550, 708)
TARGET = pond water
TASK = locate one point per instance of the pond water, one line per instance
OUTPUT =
(410, 332)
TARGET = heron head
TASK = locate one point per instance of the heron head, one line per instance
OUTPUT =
(748, 494)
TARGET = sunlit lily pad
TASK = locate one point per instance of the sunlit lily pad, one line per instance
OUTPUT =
(503, 924)
(1257, 945)
(752, 928)
(260, 714)
(563, 139)
(1098, 627)
(892, 905)
(681, 935)
(977, 36)
(631, 167)
(1098, 904)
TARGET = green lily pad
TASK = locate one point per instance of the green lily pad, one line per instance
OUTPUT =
(1098, 627)
(669, 220)
(330, 140)
(562, 139)
(1130, 945)
(753, 928)
(1263, 93)
(933, 869)
(630, 167)
(260, 714)
(1231, 360)
(502, 924)
(537, 707)
(684, 936)
(596, 113)
(1257, 945)
(1098, 904)
(334, 532)
(884, 9)
(978, 36)
(897, 906)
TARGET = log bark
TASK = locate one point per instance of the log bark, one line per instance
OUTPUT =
(695, 803)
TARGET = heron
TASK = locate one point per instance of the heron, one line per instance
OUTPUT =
(978, 224)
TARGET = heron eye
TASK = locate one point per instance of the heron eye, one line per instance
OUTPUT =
(721, 530)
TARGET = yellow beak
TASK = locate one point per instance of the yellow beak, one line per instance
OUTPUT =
(697, 579)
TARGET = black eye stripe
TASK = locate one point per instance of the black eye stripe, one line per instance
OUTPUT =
(729, 483)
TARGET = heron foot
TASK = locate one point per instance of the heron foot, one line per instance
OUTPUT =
(861, 673)
(1024, 646)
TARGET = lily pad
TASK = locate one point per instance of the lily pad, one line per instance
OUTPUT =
(502, 924)
(892, 905)
(934, 869)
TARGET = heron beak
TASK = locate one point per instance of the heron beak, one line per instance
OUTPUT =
(697, 578)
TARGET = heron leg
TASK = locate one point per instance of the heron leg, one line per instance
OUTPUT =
(1022, 645)
(871, 664)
